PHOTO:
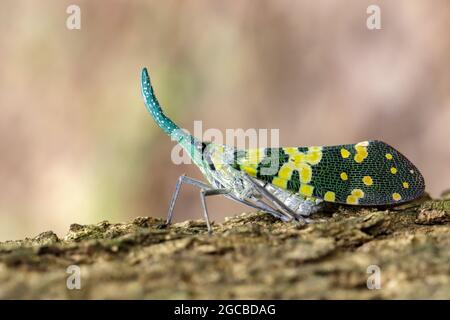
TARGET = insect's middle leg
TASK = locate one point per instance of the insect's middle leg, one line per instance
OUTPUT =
(206, 193)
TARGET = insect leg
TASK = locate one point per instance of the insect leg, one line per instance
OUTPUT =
(260, 206)
(274, 212)
(279, 204)
(210, 192)
(207, 190)
(187, 180)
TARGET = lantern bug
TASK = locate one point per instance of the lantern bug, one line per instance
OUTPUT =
(292, 182)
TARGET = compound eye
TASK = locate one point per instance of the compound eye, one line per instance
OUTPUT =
(202, 147)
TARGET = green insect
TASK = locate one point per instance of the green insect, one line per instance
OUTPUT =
(292, 182)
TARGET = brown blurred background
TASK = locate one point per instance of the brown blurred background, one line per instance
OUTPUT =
(77, 145)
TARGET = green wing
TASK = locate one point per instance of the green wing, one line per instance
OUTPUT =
(366, 173)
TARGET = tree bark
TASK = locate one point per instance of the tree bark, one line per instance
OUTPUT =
(341, 255)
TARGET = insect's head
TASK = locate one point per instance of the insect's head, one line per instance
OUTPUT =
(202, 154)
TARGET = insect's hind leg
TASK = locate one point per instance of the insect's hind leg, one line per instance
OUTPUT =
(275, 201)
(259, 205)
(183, 179)
(277, 214)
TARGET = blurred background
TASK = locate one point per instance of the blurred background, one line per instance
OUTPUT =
(77, 145)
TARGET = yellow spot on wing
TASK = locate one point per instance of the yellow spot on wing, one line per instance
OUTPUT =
(405, 185)
(367, 180)
(396, 196)
(306, 190)
(286, 171)
(344, 176)
(393, 170)
(279, 182)
(352, 200)
(329, 196)
(358, 193)
(305, 173)
(345, 153)
(388, 156)
(300, 162)
(291, 151)
(314, 156)
(250, 170)
(359, 158)
(361, 151)
(298, 158)
(354, 197)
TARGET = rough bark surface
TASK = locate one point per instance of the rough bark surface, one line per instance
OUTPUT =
(249, 256)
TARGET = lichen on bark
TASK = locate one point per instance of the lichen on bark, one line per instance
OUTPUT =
(251, 255)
